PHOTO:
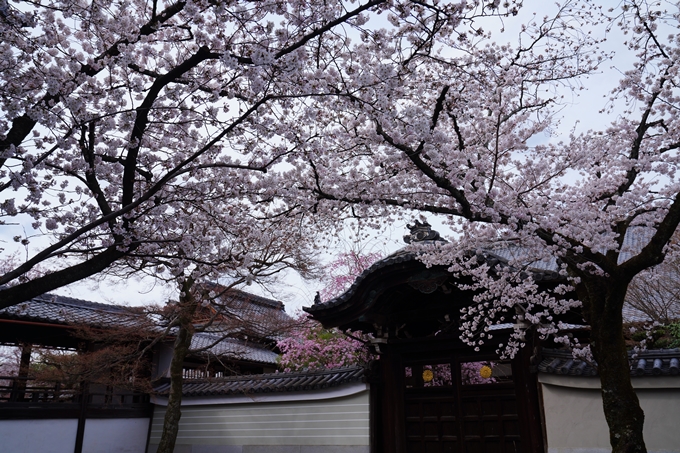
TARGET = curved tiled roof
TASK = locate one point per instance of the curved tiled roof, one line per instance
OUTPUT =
(497, 253)
(55, 309)
(268, 383)
(540, 270)
(235, 349)
(399, 256)
(658, 362)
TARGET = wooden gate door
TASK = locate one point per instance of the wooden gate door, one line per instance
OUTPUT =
(460, 406)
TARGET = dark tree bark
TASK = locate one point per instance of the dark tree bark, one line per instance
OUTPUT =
(603, 299)
(187, 309)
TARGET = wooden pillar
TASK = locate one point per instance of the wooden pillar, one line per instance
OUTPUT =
(24, 368)
(526, 387)
(392, 401)
(376, 414)
(82, 416)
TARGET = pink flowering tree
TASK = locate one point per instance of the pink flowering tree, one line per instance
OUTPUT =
(343, 270)
(152, 136)
(463, 130)
(312, 347)
(473, 373)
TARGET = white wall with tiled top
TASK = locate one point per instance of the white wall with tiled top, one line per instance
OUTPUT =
(574, 418)
(335, 425)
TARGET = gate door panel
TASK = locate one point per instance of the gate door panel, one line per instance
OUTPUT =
(460, 407)
(431, 408)
(490, 422)
(431, 424)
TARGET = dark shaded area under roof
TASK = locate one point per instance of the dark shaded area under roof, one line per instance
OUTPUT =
(269, 383)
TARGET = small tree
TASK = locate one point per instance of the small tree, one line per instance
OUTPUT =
(114, 357)
(312, 347)
(343, 270)
(183, 315)
(185, 318)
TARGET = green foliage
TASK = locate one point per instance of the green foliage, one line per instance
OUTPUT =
(654, 337)
(674, 332)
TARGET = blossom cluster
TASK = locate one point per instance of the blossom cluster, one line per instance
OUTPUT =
(312, 347)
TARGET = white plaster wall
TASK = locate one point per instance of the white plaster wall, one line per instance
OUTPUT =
(162, 359)
(331, 425)
(575, 423)
(124, 435)
(121, 435)
(44, 436)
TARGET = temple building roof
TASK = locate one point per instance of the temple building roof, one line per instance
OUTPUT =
(52, 320)
(55, 309)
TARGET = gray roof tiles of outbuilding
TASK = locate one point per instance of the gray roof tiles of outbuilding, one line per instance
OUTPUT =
(657, 362)
(236, 349)
(55, 309)
(632, 314)
(71, 312)
(268, 383)
(247, 313)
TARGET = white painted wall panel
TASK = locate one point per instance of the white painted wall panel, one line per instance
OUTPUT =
(121, 435)
(44, 436)
(338, 421)
(575, 420)
(59, 436)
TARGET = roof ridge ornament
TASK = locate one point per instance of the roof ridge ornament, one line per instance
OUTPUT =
(422, 231)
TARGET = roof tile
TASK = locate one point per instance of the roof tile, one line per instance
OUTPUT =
(653, 362)
(268, 383)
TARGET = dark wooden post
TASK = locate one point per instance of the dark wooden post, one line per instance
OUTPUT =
(526, 388)
(393, 412)
(376, 411)
(82, 416)
(24, 367)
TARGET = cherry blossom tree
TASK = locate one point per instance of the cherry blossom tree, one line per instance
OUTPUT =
(462, 130)
(147, 135)
(9, 360)
(310, 346)
(342, 271)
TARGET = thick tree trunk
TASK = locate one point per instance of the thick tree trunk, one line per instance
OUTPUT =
(602, 299)
(173, 412)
